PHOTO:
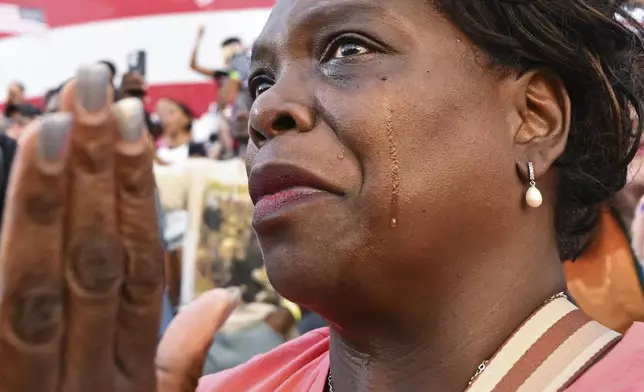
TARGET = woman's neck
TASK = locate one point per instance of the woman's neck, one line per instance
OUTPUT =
(443, 351)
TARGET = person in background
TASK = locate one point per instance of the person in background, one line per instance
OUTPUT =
(15, 94)
(133, 85)
(17, 102)
(230, 139)
(236, 62)
(14, 114)
(230, 48)
(236, 66)
(162, 108)
(234, 97)
(19, 116)
(175, 144)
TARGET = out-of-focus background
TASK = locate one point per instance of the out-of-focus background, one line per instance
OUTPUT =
(42, 40)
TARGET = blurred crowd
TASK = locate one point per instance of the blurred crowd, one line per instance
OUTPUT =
(204, 207)
(178, 132)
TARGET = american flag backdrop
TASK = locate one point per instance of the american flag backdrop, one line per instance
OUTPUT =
(17, 20)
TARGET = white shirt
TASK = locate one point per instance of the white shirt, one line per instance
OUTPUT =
(174, 155)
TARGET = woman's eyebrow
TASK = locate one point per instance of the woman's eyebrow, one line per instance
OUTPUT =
(325, 15)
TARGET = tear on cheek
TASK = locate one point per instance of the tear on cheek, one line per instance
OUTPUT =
(394, 163)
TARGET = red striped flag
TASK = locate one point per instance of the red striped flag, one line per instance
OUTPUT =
(17, 20)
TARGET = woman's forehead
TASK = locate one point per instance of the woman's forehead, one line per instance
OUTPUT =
(323, 8)
(293, 22)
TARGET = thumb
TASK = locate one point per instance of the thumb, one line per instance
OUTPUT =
(182, 351)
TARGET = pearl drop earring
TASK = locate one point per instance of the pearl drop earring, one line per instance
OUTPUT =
(533, 195)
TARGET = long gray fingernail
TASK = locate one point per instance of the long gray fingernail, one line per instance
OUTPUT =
(53, 136)
(92, 82)
(130, 117)
(235, 293)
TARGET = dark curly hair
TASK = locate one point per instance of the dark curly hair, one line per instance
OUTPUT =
(595, 46)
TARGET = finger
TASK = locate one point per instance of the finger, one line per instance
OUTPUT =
(183, 349)
(31, 311)
(139, 313)
(94, 260)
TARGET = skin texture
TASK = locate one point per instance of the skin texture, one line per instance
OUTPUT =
(82, 262)
(391, 107)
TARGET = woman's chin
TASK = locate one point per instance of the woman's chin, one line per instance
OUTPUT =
(306, 258)
(299, 276)
(306, 273)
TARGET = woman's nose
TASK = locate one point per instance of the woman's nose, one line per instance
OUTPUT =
(272, 114)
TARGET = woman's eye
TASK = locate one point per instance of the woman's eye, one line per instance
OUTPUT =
(348, 50)
(261, 88)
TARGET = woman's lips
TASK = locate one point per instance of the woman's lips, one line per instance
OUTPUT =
(274, 203)
(276, 187)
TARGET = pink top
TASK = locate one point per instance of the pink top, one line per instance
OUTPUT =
(303, 365)
(621, 370)
(299, 365)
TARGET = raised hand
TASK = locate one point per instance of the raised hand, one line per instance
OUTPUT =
(81, 261)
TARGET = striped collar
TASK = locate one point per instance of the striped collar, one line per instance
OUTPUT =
(547, 353)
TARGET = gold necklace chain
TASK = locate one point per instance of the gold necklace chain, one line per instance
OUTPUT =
(483, 364)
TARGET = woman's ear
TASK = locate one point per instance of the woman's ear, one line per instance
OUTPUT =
(544, 106)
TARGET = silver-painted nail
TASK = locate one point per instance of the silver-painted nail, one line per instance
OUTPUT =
(235, 293)
(53, 136)
(130, 116)
(92, 82)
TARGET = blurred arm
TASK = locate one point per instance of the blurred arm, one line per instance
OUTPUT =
(195, 54)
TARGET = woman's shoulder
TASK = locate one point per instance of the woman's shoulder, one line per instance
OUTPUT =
(301, 364)
(622, 369)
